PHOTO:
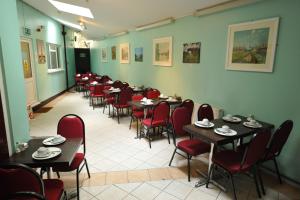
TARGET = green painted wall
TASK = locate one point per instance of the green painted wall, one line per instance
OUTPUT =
(13, 72)
(272, 97)
(48, 84)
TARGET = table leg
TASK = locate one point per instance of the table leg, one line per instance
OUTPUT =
(145, 116)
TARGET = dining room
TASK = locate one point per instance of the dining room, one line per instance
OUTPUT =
(149, 100)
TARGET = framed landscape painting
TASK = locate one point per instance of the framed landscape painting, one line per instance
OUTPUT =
(124, 53)
(251, 46)
(191, 52)
(103, 54)
(162, 51)
(138, 54)
(113, 52)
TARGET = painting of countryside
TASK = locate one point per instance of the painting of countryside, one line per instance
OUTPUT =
(138, 54)
(162, 52)
(250, 46)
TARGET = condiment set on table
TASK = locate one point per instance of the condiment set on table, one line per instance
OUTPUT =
(225, 130)
(43, 153)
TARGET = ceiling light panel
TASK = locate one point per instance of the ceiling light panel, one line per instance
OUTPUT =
(76, 10)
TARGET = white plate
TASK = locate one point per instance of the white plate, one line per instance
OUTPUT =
(171, 100)
(220, 132)
(257, 125)
(233, 119)
(49, 141)
(54, 151)
(147, 103)
(199, 124)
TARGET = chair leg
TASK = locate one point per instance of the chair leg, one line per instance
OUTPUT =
(104, 108)
(77, 183)
(277, 171)
(260, 180)
(118, 113)
(130, 122)
(210, 174)
(58, 175)
(256, 182)
(189, 167)
(87, 168)
(172, 156)
(233, 187)
(168, 136)
(149, 139)
(137, 128)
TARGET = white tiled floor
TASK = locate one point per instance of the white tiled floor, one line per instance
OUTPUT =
(112, 147)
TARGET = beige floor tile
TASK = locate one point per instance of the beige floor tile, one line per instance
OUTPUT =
(178, 173)
(97, 179)
(138, 176)
(116, 177)
(159, 174)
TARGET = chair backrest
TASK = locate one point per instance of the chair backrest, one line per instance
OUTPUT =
(136, 97)
(117, 84)
(104, 79)
(125, 95)
(98, 89)
(153, 94)
(189, 105)
(205, 111)
(19, 181)
(279, 138)
(125, 84)
(161, 112)
(146, 90)
(180, 117)
(256, 148)
(72, 126)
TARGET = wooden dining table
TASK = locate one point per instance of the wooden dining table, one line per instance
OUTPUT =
(208, 135)
(68, 148)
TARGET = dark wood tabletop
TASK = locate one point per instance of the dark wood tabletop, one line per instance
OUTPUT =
(111, 91)
(69, 149)
(208, 135)
(139, 104)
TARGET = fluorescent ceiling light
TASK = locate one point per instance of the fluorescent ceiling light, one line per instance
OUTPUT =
(155, 24)
(118, 34)
(69, 24)
(76, 10)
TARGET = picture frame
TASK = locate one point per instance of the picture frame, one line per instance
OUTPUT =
(162, 51)
(113, 52)
(138, 54)
(41, 51)
(124, 53)
(191, 52)
(251, 46)
(103, 52)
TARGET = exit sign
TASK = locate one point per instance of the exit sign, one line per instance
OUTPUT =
(27, 31)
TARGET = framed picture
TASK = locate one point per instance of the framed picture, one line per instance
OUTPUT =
(41, 51)
(138, 54)
(113, 52)
(103, 54)
(124, 53)
(191, 52)
(162, 51)
(251, 46)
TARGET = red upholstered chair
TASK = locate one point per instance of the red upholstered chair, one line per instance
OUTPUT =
(122, 102)
(235, 162)
(205, 111)
(108, 99)
(104, 79)
(77, 82)
(72, 126)
(97, 93)
(192, 147)
(125, 85)
(19, 181)
(160, 118)
(153, 94)
(189, 105)
(136, 114)
(117, 84)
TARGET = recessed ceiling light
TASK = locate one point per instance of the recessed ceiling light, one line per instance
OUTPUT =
(76, 10)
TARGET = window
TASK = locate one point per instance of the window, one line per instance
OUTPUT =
(53, 58)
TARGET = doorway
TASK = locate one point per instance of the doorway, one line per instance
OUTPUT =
(28, 70)
(82, 60)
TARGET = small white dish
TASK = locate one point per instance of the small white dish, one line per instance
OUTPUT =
(220, 131)
(200, 124)
(55, 140)
(147, 102)
(232, 119)
(171, 99)
(250, 125)
(53, 152)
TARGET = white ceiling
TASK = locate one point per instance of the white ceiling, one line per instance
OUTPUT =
(112, 16)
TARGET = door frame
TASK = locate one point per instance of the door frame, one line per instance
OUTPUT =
(32, 59)
(4, 104)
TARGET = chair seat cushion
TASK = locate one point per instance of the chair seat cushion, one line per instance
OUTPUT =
(193, 147)
(53, 188)
(79, 157)
(121, 105)
(110, 100)
(229, 160)
(155, 123)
